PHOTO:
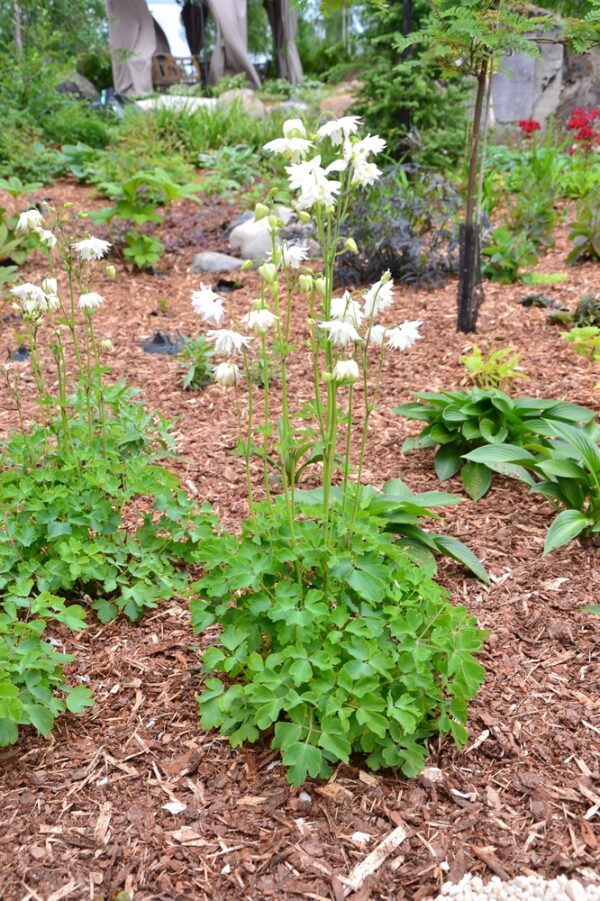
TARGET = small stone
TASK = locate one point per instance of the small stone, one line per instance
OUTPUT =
(36, 852)
(212, 261)
(576, 891)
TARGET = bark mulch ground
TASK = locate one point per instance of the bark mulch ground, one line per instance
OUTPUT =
(84, 813)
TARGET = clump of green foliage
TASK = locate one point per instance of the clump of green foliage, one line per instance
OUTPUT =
(497, 369)
(585, 340)
(461, 421)
(377, 671)
(196, 356)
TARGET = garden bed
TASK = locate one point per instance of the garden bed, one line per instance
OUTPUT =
(85, 812)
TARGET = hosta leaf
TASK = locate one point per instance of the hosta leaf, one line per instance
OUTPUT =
(477, 478)
(454, 548)
(565, 527)
(447, 462)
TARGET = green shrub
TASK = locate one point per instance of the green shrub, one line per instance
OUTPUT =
(498, 369)
(506, 254)
(74, 123)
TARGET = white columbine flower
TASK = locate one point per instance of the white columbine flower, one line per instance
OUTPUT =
(346, 309)
(294, 128)
(361, 149)
(311, 180)
(339, 129)
(261, 320)
(208, 305)
(50, 289)
(227, 374)
(340, 333)
(91, 248)
(292, 255)
(346, 371)
(31, 297)
(376, 335)
(90, 301)
(227, 341)
(46, 237)
(364, 173)
(30, 220)
(297, 148)
(404, 336)
(378, 297)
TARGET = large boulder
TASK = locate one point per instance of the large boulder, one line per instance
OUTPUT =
(246, 99)
(80, 86)
(253, 239)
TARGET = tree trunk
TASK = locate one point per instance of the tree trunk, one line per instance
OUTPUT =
(470, 292)
(18, 32)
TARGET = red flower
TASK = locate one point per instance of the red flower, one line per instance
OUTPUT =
(581, 122)
(529, 126)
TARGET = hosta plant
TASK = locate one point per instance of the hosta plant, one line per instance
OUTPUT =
(332, 635)
(566, 471)
(460, 421)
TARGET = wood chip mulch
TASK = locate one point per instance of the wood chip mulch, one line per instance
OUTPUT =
(84, 812)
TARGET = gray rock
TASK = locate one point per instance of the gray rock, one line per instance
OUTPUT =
(246, 100)
(302, 235)
(293, 106)
(78, 84)
(210, 261)
(253, 239)
(245, 217)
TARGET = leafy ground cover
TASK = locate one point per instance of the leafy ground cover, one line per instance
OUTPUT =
(87, 807)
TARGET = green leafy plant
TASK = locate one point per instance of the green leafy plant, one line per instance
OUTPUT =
(565, 470)
(143, 251)
(584, 232)
(461, 421)
(231, 168)
(506, 254)
(498, 369)
(585, 340)
(364, 655)
(88, 517)
(196, 356)
(33, 687)
(313, 596)
(586, 313)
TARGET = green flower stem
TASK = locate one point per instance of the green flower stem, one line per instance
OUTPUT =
(245, 442)
(348, 444)
(267, 413)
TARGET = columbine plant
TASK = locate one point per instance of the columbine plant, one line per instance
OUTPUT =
(66, 311)
(322, 594)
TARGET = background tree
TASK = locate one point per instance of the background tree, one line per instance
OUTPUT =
(470, 39)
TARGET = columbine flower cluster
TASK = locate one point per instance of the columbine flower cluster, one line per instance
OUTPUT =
(34, 300)
(318, 183)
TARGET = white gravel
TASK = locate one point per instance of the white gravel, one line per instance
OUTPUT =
(472, 888)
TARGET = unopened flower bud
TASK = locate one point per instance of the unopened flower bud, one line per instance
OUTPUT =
(227, 374)
(321, 286)
(276, 257)
(346, 371)
(275, 223)
(386, 276)
(107, 345)
(327, 377)
(68, 205)
(111, 271)
(268, 272)
(306, 283)
(260, 211)
(247, 264)
(50, 286)
(303, 216)
(350, 244)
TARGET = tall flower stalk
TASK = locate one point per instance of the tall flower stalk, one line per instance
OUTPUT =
(60, 310)
(346, 339)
